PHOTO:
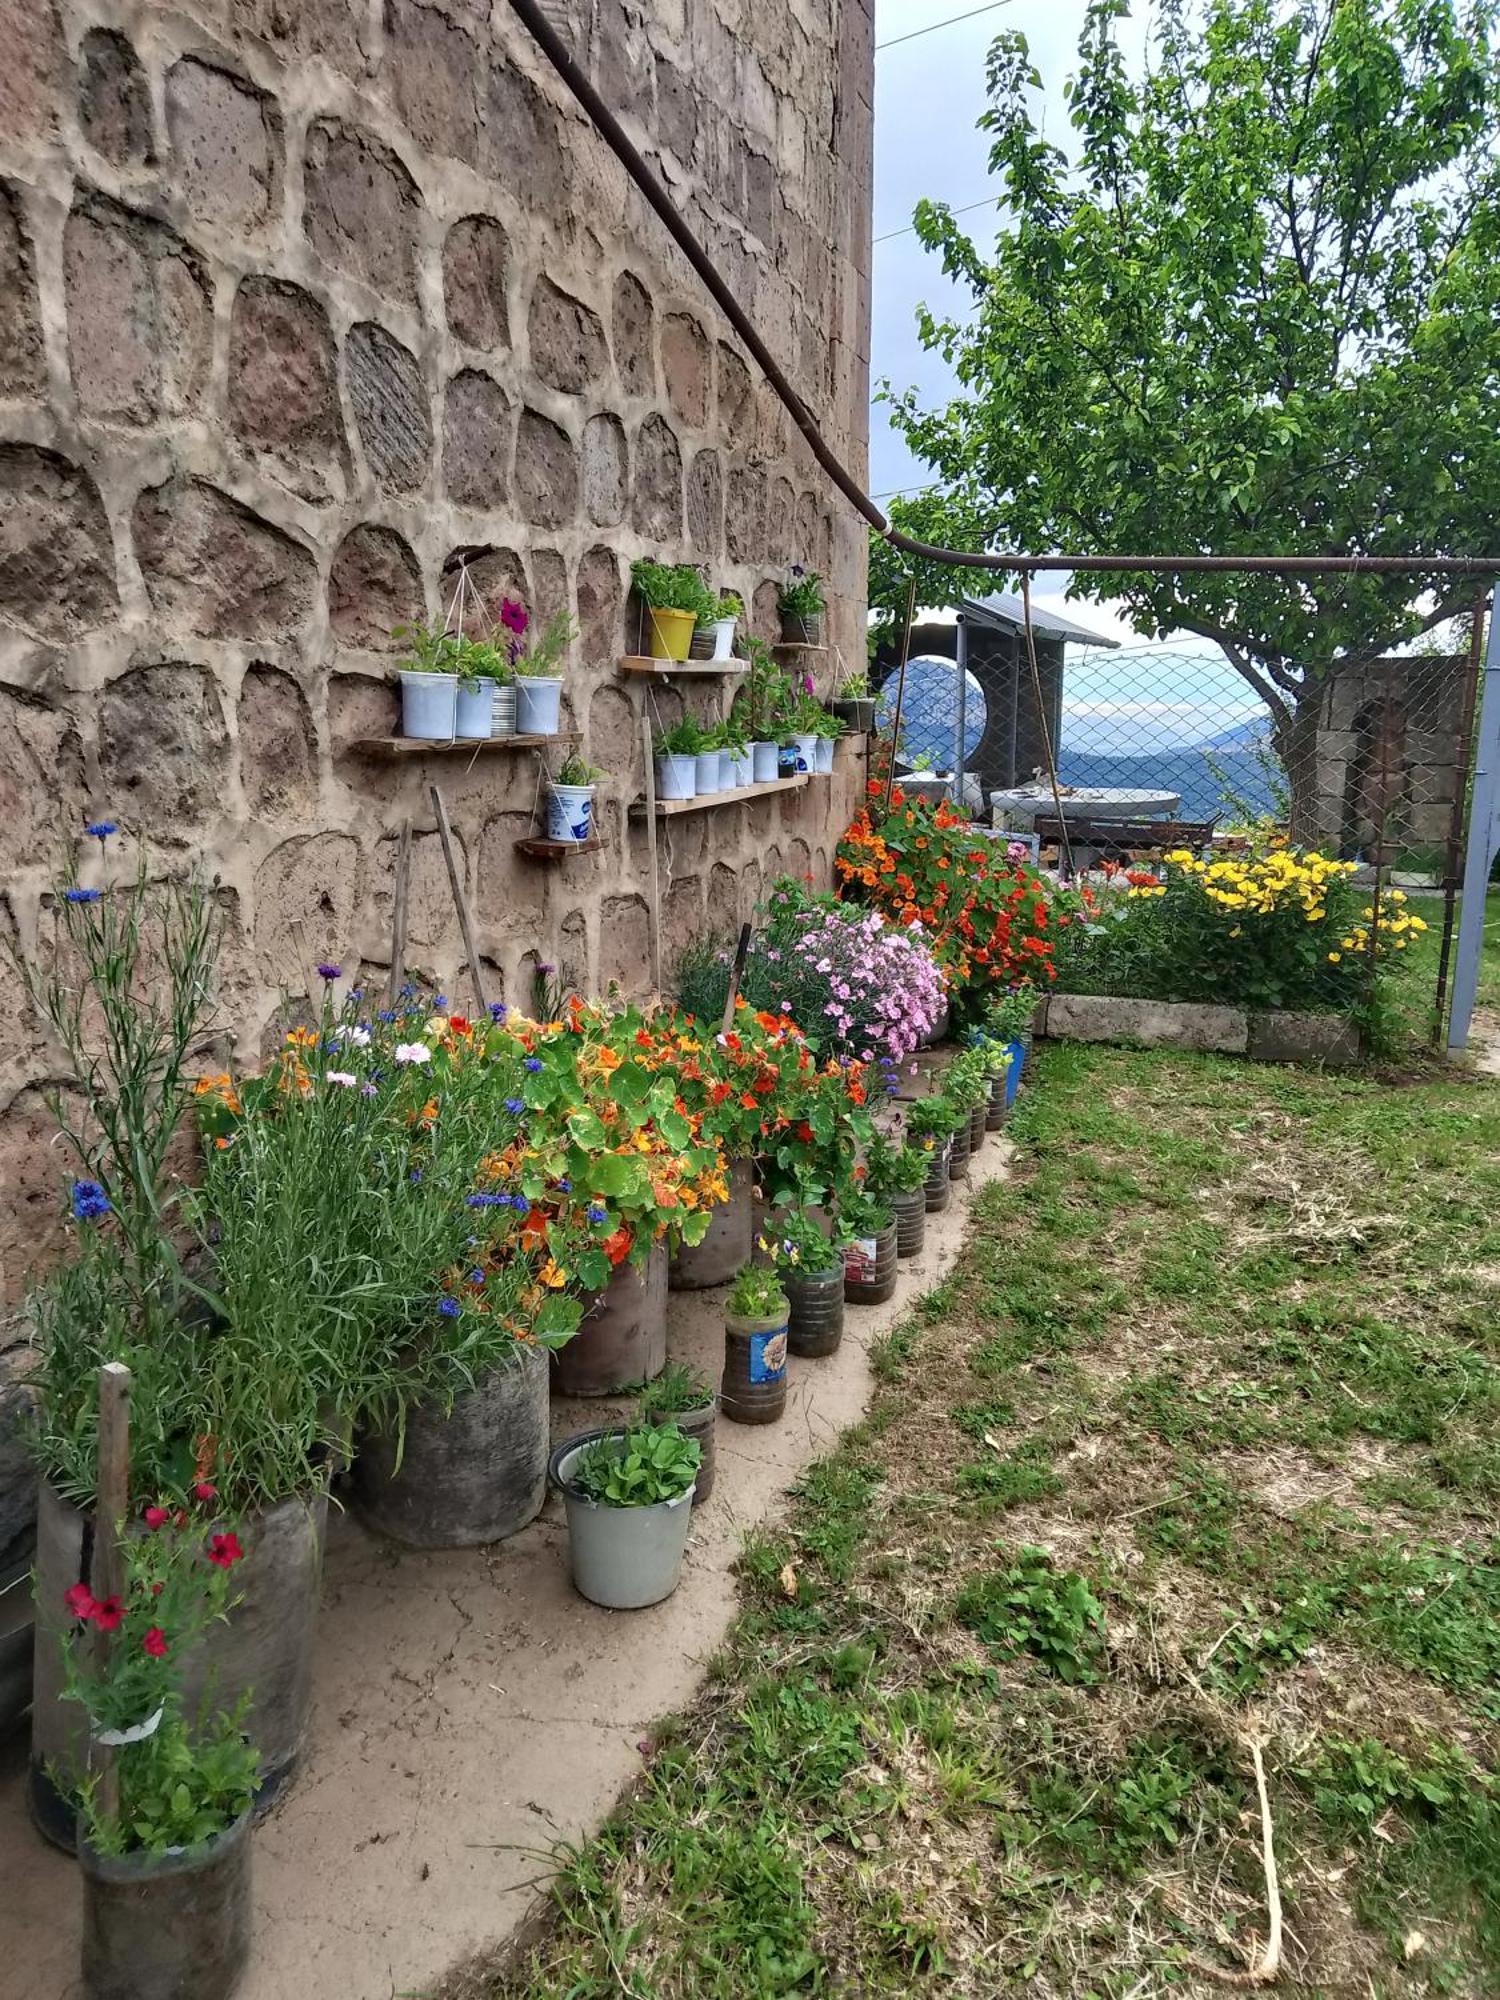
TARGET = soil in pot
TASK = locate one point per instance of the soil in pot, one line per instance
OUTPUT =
(816, 1325)
(753, 1390)
(730, 1239)
(169, 1926)
(910, 1205)
(471, 1475)
(870, 1268)
(937, 1188)
(622, 1557)
(265, 1646)
(623, 1337)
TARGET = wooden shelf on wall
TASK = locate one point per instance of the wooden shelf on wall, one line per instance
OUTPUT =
(667, 808)
(798, 646)
(542, 849)
(662, 670)
(395, 747)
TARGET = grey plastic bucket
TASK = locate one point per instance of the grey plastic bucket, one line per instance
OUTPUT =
(429, 706)
(173, 1926)
(823, 756)
(538, 705)
(475, 714)
(623, 1557)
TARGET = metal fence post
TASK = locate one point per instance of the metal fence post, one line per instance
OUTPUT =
(961, 652)
(1484, 830)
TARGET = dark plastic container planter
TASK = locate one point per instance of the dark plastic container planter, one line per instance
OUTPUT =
(816, 1325)
(870, 1268)
(801, 629)
(958, 1157)
(754, 1384)
(997, 1105)
(474, 1474)
(168, 1926)
(936, 1187)
(730, 1239)
(977, 1127)
(857, 711)
(910, 1205)
(623, 1337)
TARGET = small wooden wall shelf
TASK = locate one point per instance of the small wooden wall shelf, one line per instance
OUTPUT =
(395, 747)
(542, 849)
(666, 808)
(662, 670)
(798, 646)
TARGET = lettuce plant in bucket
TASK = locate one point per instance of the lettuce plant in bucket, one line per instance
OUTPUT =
(629, 1496)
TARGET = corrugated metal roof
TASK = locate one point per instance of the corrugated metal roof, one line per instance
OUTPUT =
(1004, 608)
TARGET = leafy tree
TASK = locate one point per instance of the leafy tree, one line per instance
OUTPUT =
(1257, 313)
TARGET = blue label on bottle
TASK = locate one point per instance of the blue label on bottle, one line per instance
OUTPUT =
(768, 1356)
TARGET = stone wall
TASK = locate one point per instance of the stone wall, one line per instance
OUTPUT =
(297, 299)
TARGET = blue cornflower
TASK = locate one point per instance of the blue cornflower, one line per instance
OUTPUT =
(597, 1214)
(89, 1201)
(101, 829)
(515, 1106)
(449, 1308)
(356, 994)
(520, 1204)
(488, 1200)
(415, 1174)
(476, 1276)
(565, 1185)
(439, 1000)
(81, 895)
(329, 971)
(533, 1063)
(498, 1010)
(408, 991)
(386, 1014)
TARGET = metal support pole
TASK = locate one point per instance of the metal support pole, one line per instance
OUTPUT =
(961, 657)
(1484, 836)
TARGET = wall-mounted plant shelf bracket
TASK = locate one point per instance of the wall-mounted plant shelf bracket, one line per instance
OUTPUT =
(396, 747)
(665, 670)
(668, 808)
(541, 849)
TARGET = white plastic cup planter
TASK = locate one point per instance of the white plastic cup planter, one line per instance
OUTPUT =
(723, 630)
(807, 749)
(707, 782)
(429, 706)
(763, 763)
(538, 703)
(677, 777)
(823, 756)
(475, 714)
(741, 770)
(726, 771)
(570, 812)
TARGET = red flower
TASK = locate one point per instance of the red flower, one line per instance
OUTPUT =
(80, 1600)
(748, 1102)
(109, 1614)
(156, 1517)
(225, 1550)
(460, 1024)
(204, 1490)
(155, 1643)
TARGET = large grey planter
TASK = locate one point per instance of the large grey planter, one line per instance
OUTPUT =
(623, 1557)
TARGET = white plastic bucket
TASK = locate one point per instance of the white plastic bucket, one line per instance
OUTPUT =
(726, 771)
(763, 763)
(476, 708)
(677, 777)
(807, 749)
(429, 704)
(707, 781)
(823, 753)
(723, 638)
(570, 812)
(537, 706)
(741, 770)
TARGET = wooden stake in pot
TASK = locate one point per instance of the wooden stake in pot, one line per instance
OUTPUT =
(398, 916)
(460, 900)
(111, 1506)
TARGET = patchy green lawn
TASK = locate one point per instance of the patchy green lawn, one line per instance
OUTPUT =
(1198, 1448)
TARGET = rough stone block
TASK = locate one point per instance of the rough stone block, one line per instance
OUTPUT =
(361, 706)
(496, 573)
(676, 110)
(568, 348)
(114, 99)
(546, 483)
(551, 592)
(634, 322)
(479, 422)
(361, 208)
(736, 397)
(1284, 1036)
(57, 562)
(374, 585)
(705, 504)
(431, 920)
(687, 364)
(41, 781)
(431, 68)
(1155, 1024)
(599, 605)
(656, 496)
(522, 141)
(390, 405)
(510, 893)
(745, 513)
(226, 144)
(283, 385)
(606, 470)
(22, 364)
(34, 1169)
(164, 751)
(140, 315)
(476, 259)
(624, 943)
(319, 878)
(33, 75)
(278, 750)
(216, 568)
(327, 28)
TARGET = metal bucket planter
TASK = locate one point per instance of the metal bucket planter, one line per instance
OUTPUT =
(936, 1188)
(816, 1325)
(623, 1338)
(870, 1268)
(265, 1646)
(958, 1155)
(730, 1239)
(910, 1205)
(699, 1424)
(467, 1476)
(623, 1557)
(172, 1926)
(503, 715)
(753, 1390)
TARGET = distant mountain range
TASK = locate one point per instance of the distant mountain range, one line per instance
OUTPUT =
(1185, 772)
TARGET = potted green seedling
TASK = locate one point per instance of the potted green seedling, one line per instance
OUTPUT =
(680, 1397)
(478, 665)
(570, 800)
(538, 672)
(904, 1187)
(677, 751)
(429, 682)
(854, 705)
(713, 634)
(930, 1125)
(736, 766)
(801, 604)
(673, 596)
(760, 709)
(755, 1347)
(629, 1497)
(810, 1265)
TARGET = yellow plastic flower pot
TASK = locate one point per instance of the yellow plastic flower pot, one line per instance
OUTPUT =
(670, 632)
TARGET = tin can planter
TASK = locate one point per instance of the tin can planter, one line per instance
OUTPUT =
(173, 1926)
(264, 1646)
(870, 1268)
(997, 1105)
(474, 714)
(730, 1239)
(429, 706)
(763, 763)
(799, 628)
(622, 1557)
(700, 1424)
(467, 1476)
(977, 1125)
(538, 705)
(570, 813)
(753, 1390)
(910, 1205)
(503, 715)
(623, 1337)
(816, 1325)
(958, 1154)
(937, 1190)
(676, 777)
(669, 633)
